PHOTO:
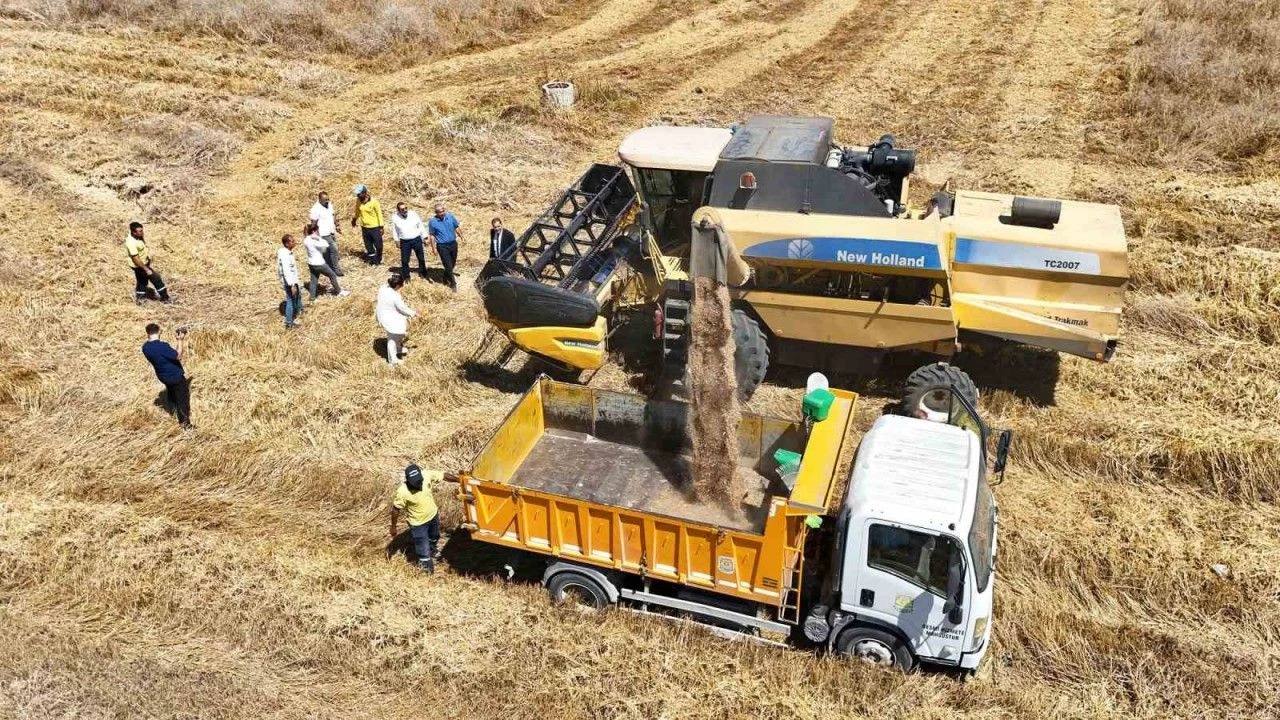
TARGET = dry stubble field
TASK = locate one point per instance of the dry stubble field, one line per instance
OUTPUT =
(241, 571)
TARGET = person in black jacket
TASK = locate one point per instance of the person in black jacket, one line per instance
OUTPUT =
(502, 242)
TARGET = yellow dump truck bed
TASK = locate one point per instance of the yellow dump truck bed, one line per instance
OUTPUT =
(602, 478)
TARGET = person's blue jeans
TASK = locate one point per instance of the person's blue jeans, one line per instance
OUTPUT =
(292, 305)
(425, 538)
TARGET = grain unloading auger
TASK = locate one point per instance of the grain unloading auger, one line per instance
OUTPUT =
(842, 270)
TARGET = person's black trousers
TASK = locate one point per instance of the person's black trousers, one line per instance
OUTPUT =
(413, 245)
(372, 244)
(180, 399)
(448, 257)
(141, 278)
(425, 538)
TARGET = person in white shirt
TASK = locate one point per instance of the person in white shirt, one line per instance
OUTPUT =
(287, 270)
(408, 231)
(393, 315)
(322, 216)
(316, 246)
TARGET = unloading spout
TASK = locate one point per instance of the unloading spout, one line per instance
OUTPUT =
(712, 253)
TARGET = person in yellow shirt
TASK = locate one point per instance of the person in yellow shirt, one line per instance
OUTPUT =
(413, 498)
(369, 219)
(135, 246)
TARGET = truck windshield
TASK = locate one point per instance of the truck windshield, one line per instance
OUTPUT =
(916, 557)
(981, 535)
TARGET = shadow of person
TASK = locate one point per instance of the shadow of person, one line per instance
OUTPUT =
(162, 401)
(380, 348)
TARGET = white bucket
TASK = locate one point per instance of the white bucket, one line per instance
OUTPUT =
(558, 94)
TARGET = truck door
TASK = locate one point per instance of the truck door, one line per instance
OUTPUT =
(904, 579)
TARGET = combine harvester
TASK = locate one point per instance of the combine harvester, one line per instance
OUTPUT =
(902, 573)
(841, 271)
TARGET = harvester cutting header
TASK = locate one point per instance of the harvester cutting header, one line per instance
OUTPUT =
(829, 267)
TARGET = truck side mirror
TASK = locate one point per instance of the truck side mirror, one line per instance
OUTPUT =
(955, 614)
(1002, 450)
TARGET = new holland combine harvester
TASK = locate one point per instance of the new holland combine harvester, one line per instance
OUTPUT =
(828, 266)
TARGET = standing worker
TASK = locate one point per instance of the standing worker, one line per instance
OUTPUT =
(322, 216)
(140, 261)
(502, 242)
(393, 315)
(414, 499)
(445, 231)
(408, 231)
(287, 269)
(369, 219)
(315, 246)
(167, 362)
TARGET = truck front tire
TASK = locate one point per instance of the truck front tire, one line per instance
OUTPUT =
(575, 588)
(875, 646)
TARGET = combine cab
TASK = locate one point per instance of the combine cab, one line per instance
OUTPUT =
(842, 270)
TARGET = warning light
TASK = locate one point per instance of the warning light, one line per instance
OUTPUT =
(747, 181)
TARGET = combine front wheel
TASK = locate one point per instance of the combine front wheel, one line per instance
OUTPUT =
(928, 391)
(750, 354)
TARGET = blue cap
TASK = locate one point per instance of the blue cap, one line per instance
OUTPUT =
(359, 189)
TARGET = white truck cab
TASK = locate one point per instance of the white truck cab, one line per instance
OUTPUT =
(914, 570)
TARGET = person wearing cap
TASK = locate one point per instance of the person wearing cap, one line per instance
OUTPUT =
(413, 498)
(287, 270)
(369, 219)
(135, 246)
(445, 231)
(327, 227)
(166, 360)
(407, 230)
(502, 242)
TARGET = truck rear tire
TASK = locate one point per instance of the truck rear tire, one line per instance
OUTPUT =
(574, 588)
(876, 647)
(928, 391)
(750, 354)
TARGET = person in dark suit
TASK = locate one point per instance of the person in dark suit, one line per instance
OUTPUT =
(502, 242)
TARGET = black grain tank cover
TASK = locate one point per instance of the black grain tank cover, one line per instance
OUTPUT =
(527, 303)
(788, 155)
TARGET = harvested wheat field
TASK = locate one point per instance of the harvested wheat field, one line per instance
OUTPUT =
(242, 570)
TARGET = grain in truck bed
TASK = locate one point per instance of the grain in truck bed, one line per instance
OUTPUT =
(579, 465)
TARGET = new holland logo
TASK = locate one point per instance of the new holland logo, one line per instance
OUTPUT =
(800, 249)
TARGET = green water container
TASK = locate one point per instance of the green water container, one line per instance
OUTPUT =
(817, 404)
(786, 458)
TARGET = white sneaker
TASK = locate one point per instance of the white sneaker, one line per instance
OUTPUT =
(344, 293)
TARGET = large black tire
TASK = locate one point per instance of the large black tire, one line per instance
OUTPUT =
(876, 647)
(524, 303)
(575, 588)
(928, 390)
(750, 354)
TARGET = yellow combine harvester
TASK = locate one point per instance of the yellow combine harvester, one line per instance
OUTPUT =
(829, 266)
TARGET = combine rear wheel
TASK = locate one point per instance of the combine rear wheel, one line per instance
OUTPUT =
(750, 354)
(928, 391)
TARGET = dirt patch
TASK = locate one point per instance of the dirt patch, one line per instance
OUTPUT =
(713, 394)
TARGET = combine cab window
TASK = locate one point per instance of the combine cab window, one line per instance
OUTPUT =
(672, 197)
(916, 557)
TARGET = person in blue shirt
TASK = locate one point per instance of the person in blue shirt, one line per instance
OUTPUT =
(167, 362)
(445, 230)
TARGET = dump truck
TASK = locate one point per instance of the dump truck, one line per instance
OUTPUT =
(843, 270)
(900, 573)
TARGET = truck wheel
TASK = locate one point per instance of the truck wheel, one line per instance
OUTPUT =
(576, 589)
(928, 391)
(876, 647)
(750, 355)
